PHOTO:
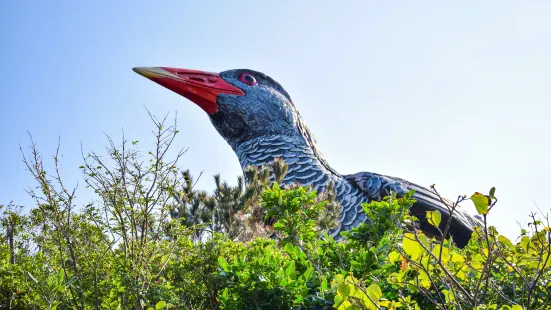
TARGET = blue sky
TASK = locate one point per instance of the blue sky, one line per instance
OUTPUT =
(455, 94)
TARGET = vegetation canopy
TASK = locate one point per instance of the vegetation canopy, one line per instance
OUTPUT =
(150, 240)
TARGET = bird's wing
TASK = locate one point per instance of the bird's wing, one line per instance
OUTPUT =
(377, 186)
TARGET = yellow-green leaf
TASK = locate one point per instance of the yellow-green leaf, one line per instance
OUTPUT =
(481, 203)
(412, 247)
(434, 217)
(394, 256)
(478, 262)
(338, 300)
(337, 280)
(160, 305)
(424, 279)
(424, 240)
(505, 241)
(425, 284)
(449, 296)
(461, 275)
(524, 242)
(445, 253)
(384, 303)
(375, 293)
(457, 258)
(344, 289)
(547, 259)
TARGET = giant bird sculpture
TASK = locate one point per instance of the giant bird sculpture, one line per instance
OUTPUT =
(258, 119)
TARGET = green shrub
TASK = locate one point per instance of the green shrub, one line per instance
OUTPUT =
(150, 241)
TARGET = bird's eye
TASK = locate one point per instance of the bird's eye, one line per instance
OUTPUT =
(248, 79)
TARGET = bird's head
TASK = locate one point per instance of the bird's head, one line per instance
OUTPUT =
(242, 104)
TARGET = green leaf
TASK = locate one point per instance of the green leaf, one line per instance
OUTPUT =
(324, 285)
(423, 239)
(288, 248)
(434, 217)
(160, 305)
(224, 264)
(481, 203)
(505, 241)
(374, 292)
(338, 301)
(492, 193)
(524, 242)
(290, 268)
(280, 273)
(308, 273)
(343, 289)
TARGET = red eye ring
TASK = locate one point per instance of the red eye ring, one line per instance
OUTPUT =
(248, 79)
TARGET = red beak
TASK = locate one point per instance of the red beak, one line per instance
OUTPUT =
(197, 86)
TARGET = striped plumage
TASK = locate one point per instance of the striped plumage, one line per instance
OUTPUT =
(305, 168)
(258, 119)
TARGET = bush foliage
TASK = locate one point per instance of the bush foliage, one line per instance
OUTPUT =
(151, 241)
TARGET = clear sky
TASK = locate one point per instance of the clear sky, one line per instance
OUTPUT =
(457, 94)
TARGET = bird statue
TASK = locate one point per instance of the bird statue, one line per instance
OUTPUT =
(260, 122)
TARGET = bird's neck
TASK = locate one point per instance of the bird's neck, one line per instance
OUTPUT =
(306, 164)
